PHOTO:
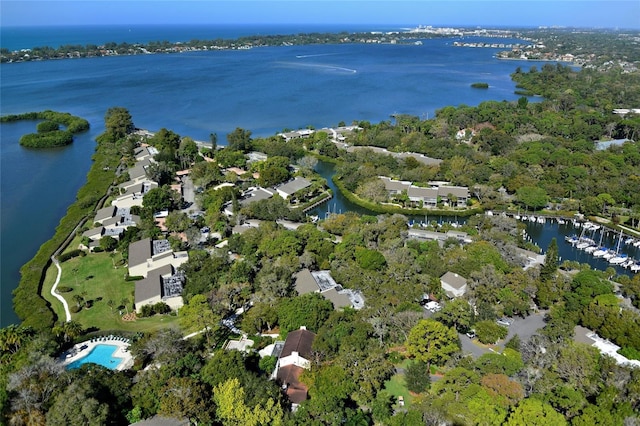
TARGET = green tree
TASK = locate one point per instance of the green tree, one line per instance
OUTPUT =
(533, 412)
(118, 122)
(108, 243)
(550, 266)
(456, 313)
(232, 409)
(197, 315)
(77, 405)
(432, 342)
(310, 310)
(239, 140)
(532, 197)
(273, 171)
(417, 377)
(184, 397)
(489, 332)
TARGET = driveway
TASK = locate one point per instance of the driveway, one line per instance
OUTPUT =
(525, 327)
(188, 193)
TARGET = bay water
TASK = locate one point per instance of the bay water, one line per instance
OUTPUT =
(264, 90)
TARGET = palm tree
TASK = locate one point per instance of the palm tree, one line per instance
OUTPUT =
(124, 302)
(71, 330)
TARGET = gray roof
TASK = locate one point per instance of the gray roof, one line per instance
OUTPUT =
(394, 185)
(305, 283)
(112, 221)
(256, 194)
(136, 172)
(414, 191)
(458, 191)
(105, 213)
(294, 186)
(139, 252)
(339, 300)
(152, 286)
(421, 158)
(454, 280)
(580, 334)
(93, 232)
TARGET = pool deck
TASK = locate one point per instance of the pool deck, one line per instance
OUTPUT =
(80, 350)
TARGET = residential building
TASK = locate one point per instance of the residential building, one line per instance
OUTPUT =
(453, 285)
(146, 255)
(322, 282)
(162, 284)
(294, 359)
(288, 189)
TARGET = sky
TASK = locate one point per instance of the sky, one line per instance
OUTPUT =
(504, 13)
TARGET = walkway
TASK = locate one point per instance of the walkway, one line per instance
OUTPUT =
(55, 285)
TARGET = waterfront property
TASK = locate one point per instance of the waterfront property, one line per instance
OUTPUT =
(146, 255)
(286, 190)
(428, 197)
(163, 284)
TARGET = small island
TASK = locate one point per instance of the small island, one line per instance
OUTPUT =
(480, 85)
(49, 134)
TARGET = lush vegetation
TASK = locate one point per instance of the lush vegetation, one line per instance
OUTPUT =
(28, 302)
(480, 85)
(362, 360)
(49, 134)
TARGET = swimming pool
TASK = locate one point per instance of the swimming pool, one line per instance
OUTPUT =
(102, 355)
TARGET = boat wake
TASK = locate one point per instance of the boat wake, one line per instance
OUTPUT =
(322, 67)
(314, 55)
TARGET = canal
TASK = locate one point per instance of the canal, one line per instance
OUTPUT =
(540, 234)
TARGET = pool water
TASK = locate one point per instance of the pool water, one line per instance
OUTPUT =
(102, 355)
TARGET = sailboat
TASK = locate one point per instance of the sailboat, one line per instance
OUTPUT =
(618, 258)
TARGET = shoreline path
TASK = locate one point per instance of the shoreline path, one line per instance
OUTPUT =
(55, 294)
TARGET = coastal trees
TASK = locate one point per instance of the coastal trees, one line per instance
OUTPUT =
(432, 342)
(118, 122)
(239, 140)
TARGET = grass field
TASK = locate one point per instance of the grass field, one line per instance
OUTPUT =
(396, 387)
(100, 279)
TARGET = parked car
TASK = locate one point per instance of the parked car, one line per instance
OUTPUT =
(504, 321)
(471, 334)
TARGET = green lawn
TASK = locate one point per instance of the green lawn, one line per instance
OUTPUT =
(95, 278)
(396, 387)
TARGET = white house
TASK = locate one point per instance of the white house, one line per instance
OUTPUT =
(453, 285)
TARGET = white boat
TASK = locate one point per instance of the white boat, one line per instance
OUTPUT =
(636, 243)
(590, 249)
(541, 219)
(600, 252)
(618, 259)
(629, 240)
(610, 254)
(635, 267)
(583, 245)
(561, 221)
(627, 263)
(516, 217)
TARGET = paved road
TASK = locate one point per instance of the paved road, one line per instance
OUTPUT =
(525, 327)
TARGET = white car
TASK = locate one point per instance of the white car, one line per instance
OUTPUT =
(504, 321)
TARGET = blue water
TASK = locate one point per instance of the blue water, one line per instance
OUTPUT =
(16, 38)
(101, 355)
(264, 90)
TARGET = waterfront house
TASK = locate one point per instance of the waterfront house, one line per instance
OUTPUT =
(427, 196)
(162, 284)
(146, 255)
(286, 190)
(453, 285)
(394, 187)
